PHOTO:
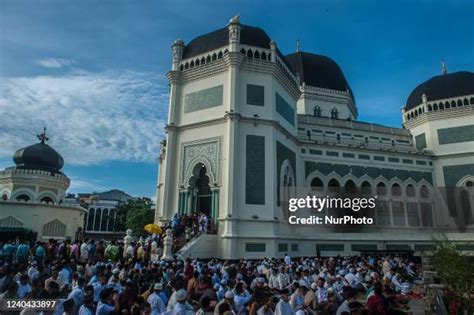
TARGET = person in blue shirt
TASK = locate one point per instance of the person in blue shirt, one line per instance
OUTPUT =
(108, 302)
(8, 251)
(40, 253)
(22, 252)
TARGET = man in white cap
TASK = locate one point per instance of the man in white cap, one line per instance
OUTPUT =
(283, 307)
(156, 303)
(229, 299)
(180, 306)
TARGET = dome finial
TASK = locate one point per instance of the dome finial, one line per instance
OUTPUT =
(443, 67)
(42, 136)
(297, 44)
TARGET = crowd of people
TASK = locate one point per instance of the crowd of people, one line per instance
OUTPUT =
(115, 278)
(191, 225)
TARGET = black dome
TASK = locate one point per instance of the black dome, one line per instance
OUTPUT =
(39, 156)
(441, 87)
(318, 71)
(249, 35)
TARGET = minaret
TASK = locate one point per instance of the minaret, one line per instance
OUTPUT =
(234, 28)
(178, 49)
(443, 67)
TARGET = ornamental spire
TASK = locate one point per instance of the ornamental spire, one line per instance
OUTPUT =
(297, 45)
(443, 67)
(42, 136)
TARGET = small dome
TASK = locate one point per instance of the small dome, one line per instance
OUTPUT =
(249, 35)
(39, 156)
(318, 71)
(442, 87)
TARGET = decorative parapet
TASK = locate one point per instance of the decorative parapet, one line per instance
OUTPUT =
(437, 106)
(360, 144)
(351, 124)
(12, 171)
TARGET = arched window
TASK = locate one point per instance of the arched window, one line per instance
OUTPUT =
(203, 61)
(249, 54)
(197, 62)
(214, 57)
(411, 191)
(350, 187)
(333, 185)
(459, 103)
(317, 111)
(256, 55)
(219, 55)
(366, 188)
(10, 222)
(264, 56)
(381, 189)
(90, 219)
(23, 197)
(441, 106)
(396, 190)
(105, 219)
(435, 107)
(242, 51)
(208, 59)
(191, 65)
(54, 228)
(466, 102)
(186, 66)
(181, 67)
(317, 184)
(98, 214)
(46, 199)
(111, 224)
(430, 108)
(424, 192)
(453, 104)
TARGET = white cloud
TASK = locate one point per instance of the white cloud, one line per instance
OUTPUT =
(90, 117)
(55, 62)
(89, 185)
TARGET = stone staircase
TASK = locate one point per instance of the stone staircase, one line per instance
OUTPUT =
(204, 245)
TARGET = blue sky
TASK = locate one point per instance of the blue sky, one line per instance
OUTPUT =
(93, 71)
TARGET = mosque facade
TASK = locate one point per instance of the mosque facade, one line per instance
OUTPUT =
(33, 201)
(250, 127)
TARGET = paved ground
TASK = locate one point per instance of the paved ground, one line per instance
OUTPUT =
(417, 307)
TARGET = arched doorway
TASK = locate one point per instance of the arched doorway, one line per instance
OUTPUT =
(203, 193)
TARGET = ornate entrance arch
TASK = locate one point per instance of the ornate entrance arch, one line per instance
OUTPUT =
(287, 186)
(199, 195)
(466, 191)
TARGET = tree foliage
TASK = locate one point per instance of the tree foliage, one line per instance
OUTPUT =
(455, 270)
(135, 214)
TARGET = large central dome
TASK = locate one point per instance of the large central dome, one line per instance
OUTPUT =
(39, 156)
(249, 35)
(318, 71)
(442, 87)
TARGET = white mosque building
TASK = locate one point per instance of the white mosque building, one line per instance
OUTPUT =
(250, 127)
(33, 203)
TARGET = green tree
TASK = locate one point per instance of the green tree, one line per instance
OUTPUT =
(135, 214)
(455, 270)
